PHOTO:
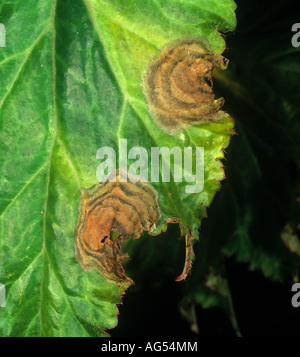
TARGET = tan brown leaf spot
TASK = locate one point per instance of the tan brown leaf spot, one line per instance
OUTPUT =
(122, 208)
(178, 84)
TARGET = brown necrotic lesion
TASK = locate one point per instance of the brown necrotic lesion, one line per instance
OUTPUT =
(108, 214)
(178, 84)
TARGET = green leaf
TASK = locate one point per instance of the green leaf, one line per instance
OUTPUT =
(140, 40)
(71, 82)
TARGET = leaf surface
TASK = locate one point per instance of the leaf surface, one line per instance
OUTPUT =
(71, 82)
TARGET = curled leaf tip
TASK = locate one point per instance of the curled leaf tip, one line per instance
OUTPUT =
(189, 257)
